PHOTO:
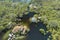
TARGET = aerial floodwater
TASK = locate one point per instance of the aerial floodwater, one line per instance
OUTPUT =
(35, 34)
(29, 19)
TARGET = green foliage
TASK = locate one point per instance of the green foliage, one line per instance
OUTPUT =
(53, 25)
(42, 31)
(20, 38)
(48, 10)
(1, 27)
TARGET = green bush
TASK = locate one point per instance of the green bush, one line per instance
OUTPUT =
(42, 31)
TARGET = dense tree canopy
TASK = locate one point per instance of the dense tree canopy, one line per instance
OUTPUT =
(48, 10)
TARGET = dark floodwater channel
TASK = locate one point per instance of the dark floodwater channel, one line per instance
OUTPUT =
(35, 34)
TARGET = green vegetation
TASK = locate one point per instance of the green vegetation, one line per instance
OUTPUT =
(42, 31)
(48, 10)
